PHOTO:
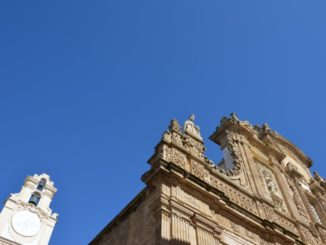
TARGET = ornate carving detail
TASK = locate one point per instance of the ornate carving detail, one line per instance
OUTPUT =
(232, 141)
(174, 156)
(27, 206)
(297, 200)
(235, 195)
(272, 216)
(174, 126)
(309, 207)
(271, 188)
(309, 237)
(224, 222)
(195, 147)
(192, 129)
(286, 223)
(199, 171)
(167, 137)
(173, 134)
(322, 233)
(235, 227)
(314, 214)
(176, 138)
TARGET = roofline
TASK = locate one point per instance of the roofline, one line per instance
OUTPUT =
(123, 214)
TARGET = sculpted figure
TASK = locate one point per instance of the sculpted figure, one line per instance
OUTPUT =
(191, 128)
(270, 185)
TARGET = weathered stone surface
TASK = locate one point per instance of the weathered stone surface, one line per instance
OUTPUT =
(261, 193)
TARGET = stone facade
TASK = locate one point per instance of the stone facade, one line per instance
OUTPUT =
(261, 193)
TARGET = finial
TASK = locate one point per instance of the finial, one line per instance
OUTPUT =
(174, 126)
(234, 117)
(266, 127)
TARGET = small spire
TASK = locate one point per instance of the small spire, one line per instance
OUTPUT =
(174, 126)
(266, 127)
(234, 117)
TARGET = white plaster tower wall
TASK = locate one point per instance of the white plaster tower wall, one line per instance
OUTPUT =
(26, 217)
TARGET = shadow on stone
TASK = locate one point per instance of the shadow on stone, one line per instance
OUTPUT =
(173, 242)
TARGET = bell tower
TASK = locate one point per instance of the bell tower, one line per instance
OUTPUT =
(26, 217)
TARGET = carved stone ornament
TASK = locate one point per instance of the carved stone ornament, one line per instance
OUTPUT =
(232, 141)
(271, 188)
(175, 156)
(199, 171)
(192, 129)
(187, 141)
(320, 180)
(174, 126)
(195, 147)
(39, 212)
(297, 200)
(314, 214)
(309, 237)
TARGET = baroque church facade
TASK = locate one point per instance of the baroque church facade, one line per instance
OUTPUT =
(261, 193)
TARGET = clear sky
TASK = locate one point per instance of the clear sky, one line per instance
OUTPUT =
(88, 87)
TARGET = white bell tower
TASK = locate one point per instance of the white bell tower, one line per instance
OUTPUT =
(26, 217)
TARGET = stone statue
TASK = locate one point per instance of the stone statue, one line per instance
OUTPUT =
(192, 129)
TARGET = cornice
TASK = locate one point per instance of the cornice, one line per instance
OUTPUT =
(224, 202)
(126, 211)
(257, 136)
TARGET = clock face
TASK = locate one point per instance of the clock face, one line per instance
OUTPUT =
(26, 223)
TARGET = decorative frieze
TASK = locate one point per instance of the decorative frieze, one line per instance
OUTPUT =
(278, 218)
(195, 147)
(175, 156)
(199, 170)
(236, 196)
(309, 237)
(297, 200)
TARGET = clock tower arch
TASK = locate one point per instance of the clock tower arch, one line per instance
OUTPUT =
(27, 217)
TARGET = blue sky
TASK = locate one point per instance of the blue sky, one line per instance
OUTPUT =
(88, 87)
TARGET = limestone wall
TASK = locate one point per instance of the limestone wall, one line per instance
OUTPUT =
(135, 228)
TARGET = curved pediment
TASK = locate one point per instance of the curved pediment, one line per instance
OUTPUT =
(262, 137)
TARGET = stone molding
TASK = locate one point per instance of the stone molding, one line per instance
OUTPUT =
(259, 199)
